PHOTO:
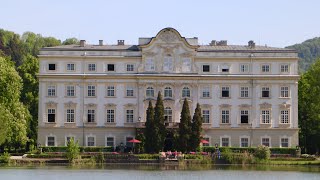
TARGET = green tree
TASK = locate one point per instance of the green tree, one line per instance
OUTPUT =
(70, 41)
(150, 134)
(309, 109)
(159, 122)
(184, 128)
(5, 118)
(73, 150)
(196, 128)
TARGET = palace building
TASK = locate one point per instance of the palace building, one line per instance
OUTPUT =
(98, 94)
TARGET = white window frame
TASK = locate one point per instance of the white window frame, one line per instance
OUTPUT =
(52, 110)
(186, 92)
(150, 65)
(168, 92)
(284, 91)
(225, 88)
(266, 137)
(51, 90)
(91, 90)
(130, 67)
(70, 91)
(92, 67)
(129, 115)
(129, 91)
(284, 137)
(229, 141)
(244, 92)
(94, 140)
(110, 115)
(244, 68)
(265, 88)
(70, 115)
(245, 112)
(168, 113)
(206, 116)
(265, 116)
(92, 112)
(205, 92)
(168, 64)
(284, 68)
(284, 117)
(225, 116)
(111, 91)
(149, 92)
(240, 141)
(54, 141)
(66, 139)
(113, 142)
(71, 67)
(265, 68)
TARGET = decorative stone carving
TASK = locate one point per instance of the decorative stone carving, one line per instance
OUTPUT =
(244, 105)
(225, 105)
(168, 36)
(70, 104)
(265, 105)
(110, 105)
(51, 104)
(284, 105)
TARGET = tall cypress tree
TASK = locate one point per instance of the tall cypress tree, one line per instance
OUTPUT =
(184, 128)
(159, 121)
(196, 128)
(150, 130)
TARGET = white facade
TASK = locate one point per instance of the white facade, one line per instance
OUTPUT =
(99, 94)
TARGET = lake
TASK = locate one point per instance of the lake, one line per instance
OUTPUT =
(166, 172)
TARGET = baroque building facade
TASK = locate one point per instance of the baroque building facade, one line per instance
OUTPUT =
(98, 94)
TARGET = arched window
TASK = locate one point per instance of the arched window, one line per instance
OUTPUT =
(168, 114)
(185, 92)
(150, 92)
(168, 92)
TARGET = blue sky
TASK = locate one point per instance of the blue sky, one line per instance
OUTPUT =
(273, 22)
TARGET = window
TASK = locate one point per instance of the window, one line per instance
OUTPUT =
(284, 142)
(265, 92)
(225, 116)
(265, 68)
(207, 139)
(91, 115)
(50, 141)
(110, 91)
(244, 68)
(225, 69)
(52, 115)
(205, 68)
(225, 92)
(110, 115)
(110, 141)
(244, 142)
(284, 68)
(206, 116)
(185, 92)
(150, 65)
(265, 142)
(168, 64)
(244, 116)
(150, 92)
(91, 67)
(130, 67)
(130, 92)
(265, 116)
(129, 144)
(206, 92)
(70, 91)
(168, 92)
(284, 116)
(52, 67)
(68, 139)
(168, 114)
(186, 65)
(70, 67)
(70, 115)
(91, 90)
(225, 142)
(51, 90)
(244, 92)
(90, 141)
(284, 91)
(111, 67)
(129, 115)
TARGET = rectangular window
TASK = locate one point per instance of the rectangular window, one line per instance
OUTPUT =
(284, 68)
(130, 92)
(244, 142)
(129, 115)
(168, 64)
(90, 141)
(70, 91)
(225, 116)
(244, 92)
(51, 90)
(130, 67)
(91, 115)
(91, 67)
(284, 116)
(110, 91)
(284, 91)
(91, 90)
(265, 92)
(265, 142)
(265, 68)
(70, 67)
(265, 116)
(207, 139)
(244, 116)
(225, 69)
(225, 142)
(225, 92)
(206, 92)
(110, 141)
(205, 68)
(52, 115)
(284, 142)
(70, 115)
(168, 92)
(150, 65)
(206, 116)
(111, 67)
(52, 67)
(244, 68)
(50, 141)
(110, 115)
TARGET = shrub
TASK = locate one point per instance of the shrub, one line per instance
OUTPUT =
(100, 158)
(193, 156)
(262, 153)
(72, 150)
(82, 149)
(148, 156)
(45, 155)
(5, 158)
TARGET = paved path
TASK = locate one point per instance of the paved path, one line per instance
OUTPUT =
(15, 157)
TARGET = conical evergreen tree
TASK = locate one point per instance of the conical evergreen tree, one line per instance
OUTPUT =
(150, 134)
(184, 128)
(196, 128)
(159, 122)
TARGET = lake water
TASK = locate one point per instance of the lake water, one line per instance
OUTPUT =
(168, 172)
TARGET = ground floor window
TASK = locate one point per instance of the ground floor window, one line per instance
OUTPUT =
(244, 142)
(284, 142)
(207, 139)
(265, 141)
(110, 141)
(50, 141)
(90, 141)
(225, 142)
(68, 138)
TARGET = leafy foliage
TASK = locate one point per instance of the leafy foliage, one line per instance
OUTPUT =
(70, 41)
(73, 150)
(150, 130)
(159, 122)
(262, 153)
(196, 128)
(184, 128)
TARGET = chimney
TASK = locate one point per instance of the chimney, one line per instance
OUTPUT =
(251, 44)
(100, 42)
(120, 42)
(82, 43)
(213, 43)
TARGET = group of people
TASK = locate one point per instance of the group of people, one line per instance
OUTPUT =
(171, 155)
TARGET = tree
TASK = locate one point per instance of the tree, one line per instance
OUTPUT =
(184, 128)
(196, 128)
(150, 130)
(309, 109)
(73, 150)
(70, 41)
(5, 118)
(159, 122)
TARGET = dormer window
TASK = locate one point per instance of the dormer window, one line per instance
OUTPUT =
(225, 68)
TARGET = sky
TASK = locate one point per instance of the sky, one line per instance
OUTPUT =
(276, 23)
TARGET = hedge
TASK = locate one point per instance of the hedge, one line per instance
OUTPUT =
(291, 151)
(43, 155)
(147, 156)
(82, 149)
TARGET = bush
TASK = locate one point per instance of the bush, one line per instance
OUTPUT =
(72, 150)
(82, 149)
(44, 155)
(291, 151)
(262, 153)
(193, 156)
(148, 156)
(100, 158)
(5, 158)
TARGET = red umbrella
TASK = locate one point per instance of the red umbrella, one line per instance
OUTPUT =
(203, 141)
(134, 141)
